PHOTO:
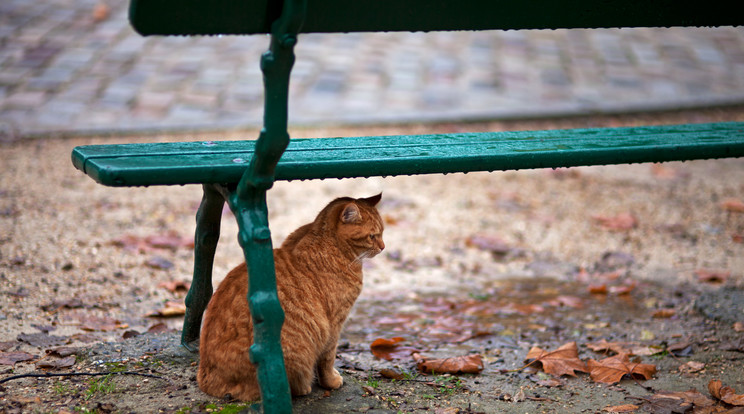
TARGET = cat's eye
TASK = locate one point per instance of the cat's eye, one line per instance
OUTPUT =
(372, 237)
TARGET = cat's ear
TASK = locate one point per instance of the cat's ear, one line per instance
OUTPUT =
(351, 214)
(373, 200)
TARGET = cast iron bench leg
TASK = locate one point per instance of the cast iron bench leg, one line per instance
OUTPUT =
(266, 311)
(208, 220)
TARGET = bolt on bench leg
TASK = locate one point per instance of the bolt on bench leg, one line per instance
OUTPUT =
(208, 220)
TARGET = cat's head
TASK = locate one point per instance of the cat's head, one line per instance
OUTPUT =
(359, 225)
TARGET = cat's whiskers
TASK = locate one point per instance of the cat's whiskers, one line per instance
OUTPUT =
(361, 256)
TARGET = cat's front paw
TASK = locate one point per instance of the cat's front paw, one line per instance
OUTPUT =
(331, 380)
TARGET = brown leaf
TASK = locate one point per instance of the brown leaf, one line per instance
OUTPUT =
(690, 367)
(131, 333)
(563, 361)
(56, 363)
(63, 351)
(676, 402)
(175, 286)
(620, 222)
(598, 289)
(725, 394)
(72, 303)
(603, 347)
(630, 348)
(390, 349)
(623, 289)
(100, 323)
(42, 340)
(467, 364)
(550, 382)
(496, 246)
(100, 12)
(733, 205)
(664, 313)
(692, 396)
(712, 276)
(391, 374)
(667, 173)
(612, 369)
(10, 358)
(170, 241)
(625, 408)
(147, 244)
(170, 309)
(158, 328)
(567, 301)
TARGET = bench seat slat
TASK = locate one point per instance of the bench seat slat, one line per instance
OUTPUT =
(225, 161)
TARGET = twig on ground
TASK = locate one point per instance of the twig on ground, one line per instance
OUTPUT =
(78, 374)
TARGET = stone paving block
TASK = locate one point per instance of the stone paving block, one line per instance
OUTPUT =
(25, 100)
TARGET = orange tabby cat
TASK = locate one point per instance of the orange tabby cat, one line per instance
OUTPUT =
(318, 277)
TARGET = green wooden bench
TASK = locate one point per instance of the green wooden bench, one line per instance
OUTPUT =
(241, 172)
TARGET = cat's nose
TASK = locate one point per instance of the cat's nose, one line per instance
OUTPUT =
(381, 245)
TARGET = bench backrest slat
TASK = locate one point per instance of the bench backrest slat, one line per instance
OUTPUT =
(223, 17)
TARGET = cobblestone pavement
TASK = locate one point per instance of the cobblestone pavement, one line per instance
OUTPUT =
(77, 66)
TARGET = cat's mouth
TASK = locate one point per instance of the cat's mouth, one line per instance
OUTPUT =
(372, 253)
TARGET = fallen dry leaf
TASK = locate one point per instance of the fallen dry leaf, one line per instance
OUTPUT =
(690, 367)
(623, 289)
(390, 349)
(604, 347)
(620, 222)
(10, 358)
(630, 348)
(667, 173)
(42, 340)
(550, 382)
(664, 313)
(176, 286)
(170, 240)
(56, 363)
(468, 364)
(625, 408)
(692, 396)
(597, 289)
(158, 328)
(733, 205)
(725, 394)
(100, 12)
(678, 402)
(612, 369)
(495, 245)
(712, 276)
(563, 361)
(63, 351)
(739, 326)
(170, 309)
(391, 374)
(567, 301)
(100, 323)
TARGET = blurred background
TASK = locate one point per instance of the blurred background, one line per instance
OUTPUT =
(72, 66)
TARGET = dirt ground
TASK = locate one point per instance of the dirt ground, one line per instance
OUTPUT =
(488, 264)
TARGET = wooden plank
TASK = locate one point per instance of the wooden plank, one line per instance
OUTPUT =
(219, 17)
(225, 161)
